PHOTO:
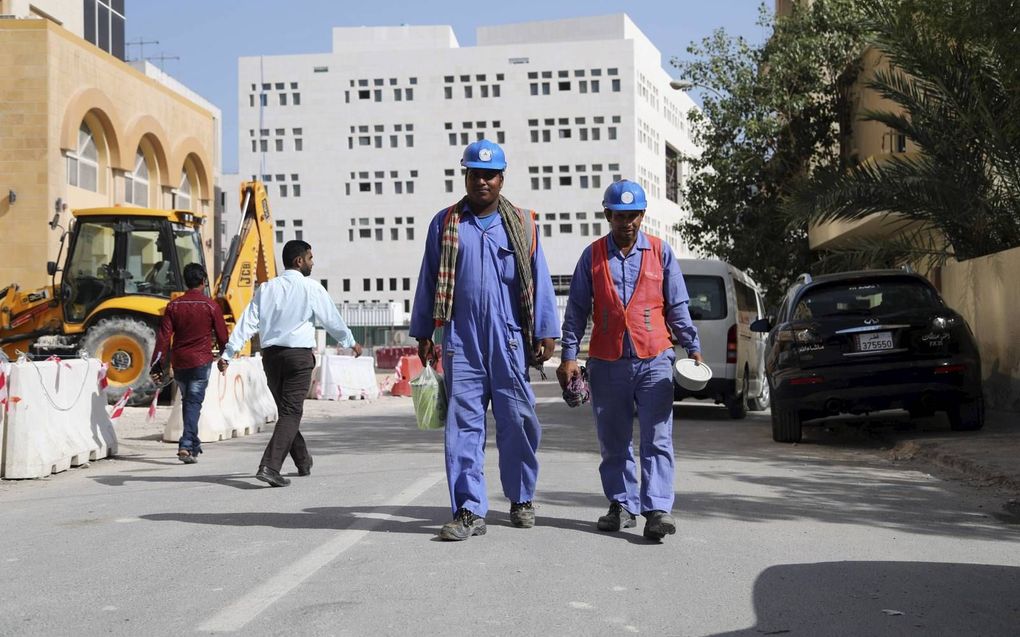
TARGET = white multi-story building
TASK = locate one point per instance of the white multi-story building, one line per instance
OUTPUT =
(361, 146)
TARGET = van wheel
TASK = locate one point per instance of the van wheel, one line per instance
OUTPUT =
(967, 416)
(764, 399)
(786, 425)
(738, 404)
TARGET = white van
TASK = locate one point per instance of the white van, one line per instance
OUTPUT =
(724, 302)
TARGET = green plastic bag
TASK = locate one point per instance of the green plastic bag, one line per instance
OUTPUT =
(428, 393)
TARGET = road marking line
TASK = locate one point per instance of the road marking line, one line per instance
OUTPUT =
(236, 616)
(548, 400)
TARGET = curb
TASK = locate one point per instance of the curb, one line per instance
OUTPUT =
(930, 452)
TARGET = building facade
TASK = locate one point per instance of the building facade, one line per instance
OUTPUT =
(80, 128)
(360, 146)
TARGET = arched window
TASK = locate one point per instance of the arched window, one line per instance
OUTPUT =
(136, 184)
(83, 163)
(183, 199)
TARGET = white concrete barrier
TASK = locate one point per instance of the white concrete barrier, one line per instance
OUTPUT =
(313, 387)
(237, 403)
(345, 377)
(56, 418)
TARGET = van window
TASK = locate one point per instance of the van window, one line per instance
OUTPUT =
(708, 297)
(746, 301)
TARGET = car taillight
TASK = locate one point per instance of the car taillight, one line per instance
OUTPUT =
(950, 369)
(731, 344)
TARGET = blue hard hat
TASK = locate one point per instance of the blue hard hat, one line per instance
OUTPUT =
(624, 195)
(484, 154)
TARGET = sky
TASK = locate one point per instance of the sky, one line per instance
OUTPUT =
(208, 36)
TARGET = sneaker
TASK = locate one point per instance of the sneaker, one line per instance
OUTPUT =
(463, 525)
(305, 470)
(617, 518)
(659, 524)
(522, 514)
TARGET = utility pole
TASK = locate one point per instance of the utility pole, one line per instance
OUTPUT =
(140, 43)
(162, 58)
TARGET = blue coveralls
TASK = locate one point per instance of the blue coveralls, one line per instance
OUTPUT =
(617, 385)
(484, 358)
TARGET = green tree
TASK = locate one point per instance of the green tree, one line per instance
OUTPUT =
(771, 115)
(954, 74)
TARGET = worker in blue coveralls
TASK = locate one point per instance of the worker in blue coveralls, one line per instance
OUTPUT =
(484, 279)
(631, 285)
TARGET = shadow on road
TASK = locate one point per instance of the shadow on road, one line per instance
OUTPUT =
(885, 598)
(233, 480)
(837, 477)
(408, 519)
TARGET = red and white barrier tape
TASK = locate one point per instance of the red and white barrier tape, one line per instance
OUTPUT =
(118, 409)
(3, 387)
(152, 409)
(103, 381)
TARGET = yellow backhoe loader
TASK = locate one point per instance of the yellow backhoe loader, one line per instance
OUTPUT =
(123, 265)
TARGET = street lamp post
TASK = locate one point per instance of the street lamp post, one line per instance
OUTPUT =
(687, 85)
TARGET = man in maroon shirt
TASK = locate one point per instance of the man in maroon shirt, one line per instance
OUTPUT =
(193, 320)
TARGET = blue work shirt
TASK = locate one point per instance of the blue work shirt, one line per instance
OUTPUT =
(477, 301)
(624, 271)
(281, 313)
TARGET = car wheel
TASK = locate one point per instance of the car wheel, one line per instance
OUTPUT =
(737, 405)
(786, 425)
(967, 416)
(764, 399)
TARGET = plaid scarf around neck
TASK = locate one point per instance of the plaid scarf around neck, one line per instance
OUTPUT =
(515, 230)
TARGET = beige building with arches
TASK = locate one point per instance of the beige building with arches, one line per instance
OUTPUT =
(81, 128)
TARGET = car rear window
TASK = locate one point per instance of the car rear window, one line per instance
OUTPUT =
(865, 297)
(708, 297)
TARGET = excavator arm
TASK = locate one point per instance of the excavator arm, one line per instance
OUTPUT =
(250, 260)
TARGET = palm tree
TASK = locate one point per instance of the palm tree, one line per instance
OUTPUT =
(959, 195)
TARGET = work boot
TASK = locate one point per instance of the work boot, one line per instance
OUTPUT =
(617, 518)
(659, 524)
(271, 476)
(522, 514)
(463, 525)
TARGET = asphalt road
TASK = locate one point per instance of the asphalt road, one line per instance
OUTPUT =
(823, 538)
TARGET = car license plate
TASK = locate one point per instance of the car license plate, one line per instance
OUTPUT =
(874, 342)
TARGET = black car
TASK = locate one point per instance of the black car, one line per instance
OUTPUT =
(858, 342)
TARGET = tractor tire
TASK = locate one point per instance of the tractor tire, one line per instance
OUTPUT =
(126, 344)
(786, 425)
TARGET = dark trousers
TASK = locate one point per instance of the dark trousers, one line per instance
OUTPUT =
(289, 372)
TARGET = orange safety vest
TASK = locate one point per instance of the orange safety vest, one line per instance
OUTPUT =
(644, 317)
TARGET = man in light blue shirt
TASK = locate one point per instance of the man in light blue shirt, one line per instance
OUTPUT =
(281, 313)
